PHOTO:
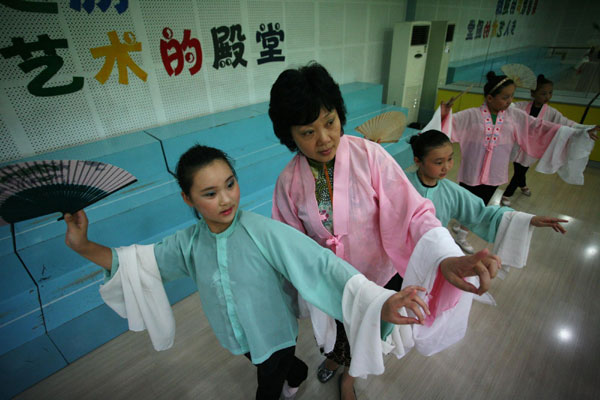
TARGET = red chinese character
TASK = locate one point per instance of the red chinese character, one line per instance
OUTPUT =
(178, 54)
(486, 29)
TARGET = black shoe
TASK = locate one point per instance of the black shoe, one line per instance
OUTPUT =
(324, 374)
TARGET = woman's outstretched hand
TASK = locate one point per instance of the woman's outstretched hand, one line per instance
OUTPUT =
(549, 222)
(482, 264)
(408, 298)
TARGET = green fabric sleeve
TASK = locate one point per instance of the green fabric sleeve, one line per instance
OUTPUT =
(316, 272)
(473, 213)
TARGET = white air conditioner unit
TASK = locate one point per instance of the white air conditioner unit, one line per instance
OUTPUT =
(436, 71)
(407, 66)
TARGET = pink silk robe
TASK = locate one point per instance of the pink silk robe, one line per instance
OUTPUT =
(547, 113)
(378, 216)
(486, 148)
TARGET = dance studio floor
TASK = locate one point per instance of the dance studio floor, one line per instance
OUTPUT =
(542, 340)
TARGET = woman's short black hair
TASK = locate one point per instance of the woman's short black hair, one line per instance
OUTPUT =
(493, 80)
(195, 158)
(424, 142)
(297, 97)
(542, 80)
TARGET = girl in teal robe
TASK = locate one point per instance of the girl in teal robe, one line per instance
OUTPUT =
(241, 263)
(433, 155)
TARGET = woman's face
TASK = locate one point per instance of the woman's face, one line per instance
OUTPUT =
(215, 194)
(543, 94)
(319, 139)
(502, 100)
(436, 163)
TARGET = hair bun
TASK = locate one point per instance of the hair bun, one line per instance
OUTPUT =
(541, 77)
(490, 75)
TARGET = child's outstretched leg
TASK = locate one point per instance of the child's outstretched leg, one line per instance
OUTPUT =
(296, 375)
(282, 366)
(518, 180)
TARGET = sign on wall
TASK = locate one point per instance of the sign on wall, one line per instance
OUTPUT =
(228, 42)
(498, 28)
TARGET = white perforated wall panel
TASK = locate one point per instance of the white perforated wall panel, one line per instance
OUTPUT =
(52, 124)
(300, 24)
(331, 24)
(378, 22)
(348, 37)
(353, 63)
(356, 24)
(8, 146)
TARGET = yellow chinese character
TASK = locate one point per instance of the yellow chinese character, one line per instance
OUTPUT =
(118, 52)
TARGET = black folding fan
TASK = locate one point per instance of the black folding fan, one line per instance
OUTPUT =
(36, 188)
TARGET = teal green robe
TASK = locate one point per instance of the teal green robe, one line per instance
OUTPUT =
(241, 277)
(453, 201)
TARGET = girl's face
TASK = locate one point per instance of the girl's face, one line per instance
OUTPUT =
(543, 94)
(319, 140)
(215, 194)
(502, 100)
(436, 164)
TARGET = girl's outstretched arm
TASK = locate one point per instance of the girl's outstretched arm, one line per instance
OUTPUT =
(76, 239)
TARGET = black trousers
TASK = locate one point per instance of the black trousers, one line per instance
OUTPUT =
(484, 192)
(281, 366)
(518, 179)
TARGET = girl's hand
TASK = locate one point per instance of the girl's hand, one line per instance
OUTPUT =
(77, 226)
(554, 223)
(482, 264)
(447, 106)
(409, 299)
(593, 133)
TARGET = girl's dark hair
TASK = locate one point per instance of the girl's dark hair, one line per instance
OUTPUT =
(542, 80)
(297, 97)
(424, 142)
(493, 80)
(195, 158)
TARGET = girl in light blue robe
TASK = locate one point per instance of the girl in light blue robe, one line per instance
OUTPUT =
(241, 263)
(433, 155)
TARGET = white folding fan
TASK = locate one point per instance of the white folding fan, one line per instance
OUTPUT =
(35, 188)
(521, 75)
(384, 128)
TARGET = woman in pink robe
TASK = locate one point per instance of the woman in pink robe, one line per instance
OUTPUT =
(350, 196)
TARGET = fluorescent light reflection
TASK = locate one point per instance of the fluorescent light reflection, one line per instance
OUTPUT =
(564, 334)
(591, 251)
(567, 217)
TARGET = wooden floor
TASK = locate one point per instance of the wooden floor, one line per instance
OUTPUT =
(542, 341)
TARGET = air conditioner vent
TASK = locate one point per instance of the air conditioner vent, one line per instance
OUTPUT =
(420, 34)
(450, 33)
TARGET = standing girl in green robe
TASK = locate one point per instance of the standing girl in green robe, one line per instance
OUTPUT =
(240, 262)
(433, 155)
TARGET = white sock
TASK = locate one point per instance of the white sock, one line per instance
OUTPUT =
(288, 391)
(461, 235)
